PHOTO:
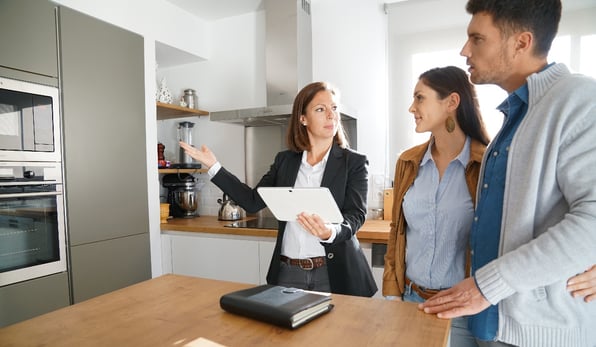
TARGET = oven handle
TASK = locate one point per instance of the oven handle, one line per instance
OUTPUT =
(27, 195)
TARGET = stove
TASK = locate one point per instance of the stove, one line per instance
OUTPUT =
(259, 223)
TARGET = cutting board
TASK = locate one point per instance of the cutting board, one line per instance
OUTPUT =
(387, 203)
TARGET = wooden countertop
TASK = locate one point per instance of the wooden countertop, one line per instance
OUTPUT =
(373, 231)
(174, 310)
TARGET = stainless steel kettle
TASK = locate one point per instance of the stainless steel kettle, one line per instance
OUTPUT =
(228, 209)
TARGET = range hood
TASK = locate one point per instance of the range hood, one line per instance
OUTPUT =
(288, 65)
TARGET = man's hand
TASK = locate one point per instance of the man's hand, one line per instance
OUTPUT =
(463, 299)
(584, 285)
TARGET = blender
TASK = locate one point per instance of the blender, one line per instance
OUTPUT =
(185, 135)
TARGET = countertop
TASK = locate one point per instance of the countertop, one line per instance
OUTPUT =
(174, 310)
(373, 231)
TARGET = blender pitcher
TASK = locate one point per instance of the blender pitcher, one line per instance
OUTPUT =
(185, 135)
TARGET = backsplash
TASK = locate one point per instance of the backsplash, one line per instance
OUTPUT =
(208, 193)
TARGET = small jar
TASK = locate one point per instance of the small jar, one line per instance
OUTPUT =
(190, 98)
(376, 213)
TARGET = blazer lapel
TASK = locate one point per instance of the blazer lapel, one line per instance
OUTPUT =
(334, 165)
(291, 171)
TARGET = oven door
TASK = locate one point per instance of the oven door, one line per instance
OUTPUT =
(32, 231)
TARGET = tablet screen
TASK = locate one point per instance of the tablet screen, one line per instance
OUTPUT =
(287, 202)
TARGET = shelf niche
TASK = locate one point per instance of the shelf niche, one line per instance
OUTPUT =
(175, 170)
(169, 111)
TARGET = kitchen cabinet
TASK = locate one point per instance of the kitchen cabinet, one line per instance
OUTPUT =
(104, 134)
(28, 39)
(168, 111)
(224, 257)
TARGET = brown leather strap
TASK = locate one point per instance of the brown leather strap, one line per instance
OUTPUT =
(305, 264)
(423, 292)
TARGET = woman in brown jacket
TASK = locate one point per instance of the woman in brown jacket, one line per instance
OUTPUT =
(434, 193)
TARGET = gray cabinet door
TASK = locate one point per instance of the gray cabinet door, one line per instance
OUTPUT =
(102, 267)
(28, 37)
(102, 80)
(28, 299)
(104, 129)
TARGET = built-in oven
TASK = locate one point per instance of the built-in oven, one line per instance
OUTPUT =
(32, 225)
(29, 121)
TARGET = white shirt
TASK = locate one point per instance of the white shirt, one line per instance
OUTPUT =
(297, 242)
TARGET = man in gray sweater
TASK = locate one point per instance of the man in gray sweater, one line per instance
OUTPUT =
(535, 221)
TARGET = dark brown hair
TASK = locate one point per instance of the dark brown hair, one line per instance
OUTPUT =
(540, 17)
(451, 79)
(297, 135)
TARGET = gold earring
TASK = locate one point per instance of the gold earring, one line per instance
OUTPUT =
(450, 124)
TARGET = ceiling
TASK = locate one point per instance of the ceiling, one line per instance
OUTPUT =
(210, 10)
(213, 10)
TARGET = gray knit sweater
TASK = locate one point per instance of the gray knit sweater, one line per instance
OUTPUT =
(548, 231)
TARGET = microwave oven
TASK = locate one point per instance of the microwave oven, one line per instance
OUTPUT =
(29, 122)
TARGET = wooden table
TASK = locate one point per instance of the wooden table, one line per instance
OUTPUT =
(174, 310)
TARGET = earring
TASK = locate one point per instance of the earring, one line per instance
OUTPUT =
(450, 124)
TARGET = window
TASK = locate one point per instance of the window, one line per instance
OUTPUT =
(490, 96)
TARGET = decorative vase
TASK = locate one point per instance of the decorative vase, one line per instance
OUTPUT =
(164, 93)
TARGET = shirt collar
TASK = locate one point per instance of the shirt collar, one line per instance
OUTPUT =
(463, 157)
(520, 95)
(322, 162)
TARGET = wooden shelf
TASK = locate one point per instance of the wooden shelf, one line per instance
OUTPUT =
(190, 171)
(169, 111)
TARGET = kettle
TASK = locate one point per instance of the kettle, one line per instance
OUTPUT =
(229, 210)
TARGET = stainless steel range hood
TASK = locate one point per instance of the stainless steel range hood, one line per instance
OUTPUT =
(288, 65)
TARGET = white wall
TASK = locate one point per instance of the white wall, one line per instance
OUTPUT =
(350, 50)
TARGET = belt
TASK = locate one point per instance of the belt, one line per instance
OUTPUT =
(305, 264)
(424, 293)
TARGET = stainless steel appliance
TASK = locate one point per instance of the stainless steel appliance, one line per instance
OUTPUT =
(29, 121)
(182, 195)
(32, 226)
(228, 210)
(185, 135)
(258, 223)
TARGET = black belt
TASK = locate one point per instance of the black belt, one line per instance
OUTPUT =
(306, 263)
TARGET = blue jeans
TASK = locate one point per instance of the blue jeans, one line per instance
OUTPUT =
(460, 335)
(294, 276)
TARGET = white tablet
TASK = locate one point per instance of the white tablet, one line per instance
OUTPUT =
(287, 202)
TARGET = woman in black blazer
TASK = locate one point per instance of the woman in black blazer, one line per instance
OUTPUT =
(310, 254)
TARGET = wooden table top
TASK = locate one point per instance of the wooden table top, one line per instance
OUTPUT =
(174, 310)
(372, 231)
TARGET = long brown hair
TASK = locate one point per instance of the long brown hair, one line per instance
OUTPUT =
(451, 79)
(297, 135)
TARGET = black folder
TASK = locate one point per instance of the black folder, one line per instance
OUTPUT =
(286, 307)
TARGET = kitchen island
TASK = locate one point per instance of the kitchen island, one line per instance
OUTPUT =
(174, 310)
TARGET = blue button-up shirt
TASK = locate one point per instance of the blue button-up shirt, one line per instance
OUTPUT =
(439, 215)
(486, 228)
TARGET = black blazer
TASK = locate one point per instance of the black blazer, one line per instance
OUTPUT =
(346, 176)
